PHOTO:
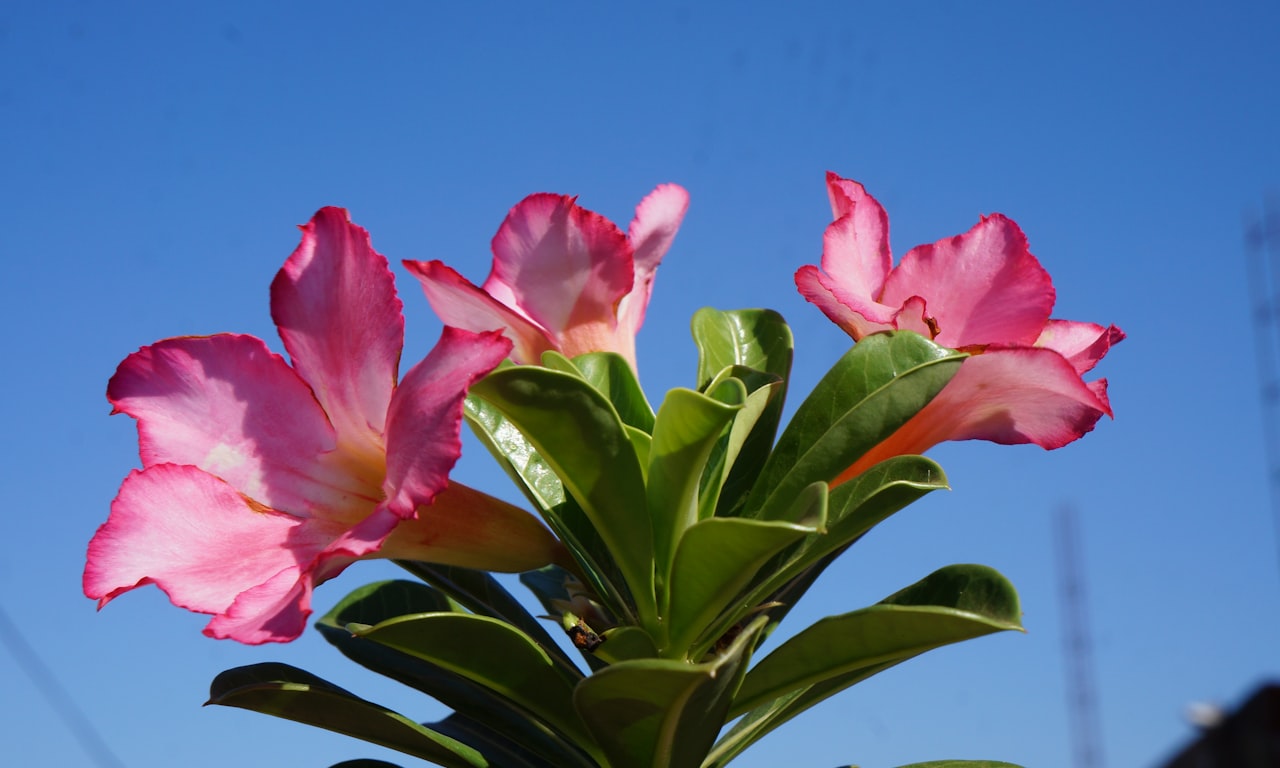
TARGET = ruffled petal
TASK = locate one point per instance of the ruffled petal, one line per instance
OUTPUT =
(982, 287)
(467, 528)
(1006, 395)
(838, 305)
(654, 227)
(462, 305)
(196, 538)
(855, 247)
(335, 304)
(277, 610)
(564, 265)
(229, 406)
(855, 259)
(425, 419)
(1083, 344)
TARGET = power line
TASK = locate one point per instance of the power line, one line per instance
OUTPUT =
(63, 705)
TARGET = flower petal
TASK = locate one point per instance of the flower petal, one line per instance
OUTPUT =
(855, 262)
(855, 254)
(658, 217)
(463, 305)
(564, 265)
(842, 308)
(1005, 395)
(196, 538)
(982, 287)
(335, 304)
(1083, 344)
(425, 418)
(231, 407)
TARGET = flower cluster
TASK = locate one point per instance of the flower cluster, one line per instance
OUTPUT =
(262, 478)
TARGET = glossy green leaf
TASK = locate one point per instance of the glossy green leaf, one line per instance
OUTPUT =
(854, 508)
(717, 558)
(726, 480)
(480, 593)
(294, 694)
(688, 424)
(659, 713)
(577, 432)
(612, 376)
(955, 603)
(511, 664)
(871, 391)
(380, 602)
(755, 339)
(540, 484)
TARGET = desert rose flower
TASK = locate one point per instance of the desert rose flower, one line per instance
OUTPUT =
(262, 479)
(981, 292)
(563, 278)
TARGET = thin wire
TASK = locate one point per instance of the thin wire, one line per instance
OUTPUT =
(63, 705)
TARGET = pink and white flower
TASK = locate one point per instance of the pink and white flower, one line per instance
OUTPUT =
(981, 292)
(261, 480)
(563, 278)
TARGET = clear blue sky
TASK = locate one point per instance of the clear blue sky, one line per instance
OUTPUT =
(155, 157)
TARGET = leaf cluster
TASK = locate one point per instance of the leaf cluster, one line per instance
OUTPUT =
(692, 531)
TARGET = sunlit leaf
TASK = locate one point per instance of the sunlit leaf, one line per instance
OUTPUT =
(878, 385)
(687, 426)
(577, 432)
(952, 604)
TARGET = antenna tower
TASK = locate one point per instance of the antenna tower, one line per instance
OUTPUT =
(1262, 252)
(1082, 702)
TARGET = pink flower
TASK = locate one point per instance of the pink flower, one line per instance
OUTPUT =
(262, 480)
(563, 278)
(981, 292)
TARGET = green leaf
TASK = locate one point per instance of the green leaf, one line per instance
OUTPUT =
(755, 339)
(379, 602)
(717, 558)
(726, 479)
(578, 434)
(294, 694)
(612, 376)
(659, 713)
(956, 603)
(687, 426)
(871, 391)
(480, 593)
(490, 653)
(626, 643)
(854, 508)
(540, 484)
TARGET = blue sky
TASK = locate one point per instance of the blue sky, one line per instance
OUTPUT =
(156, 158)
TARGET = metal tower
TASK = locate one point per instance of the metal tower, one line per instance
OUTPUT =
(1262, 255)
(1082, 701)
